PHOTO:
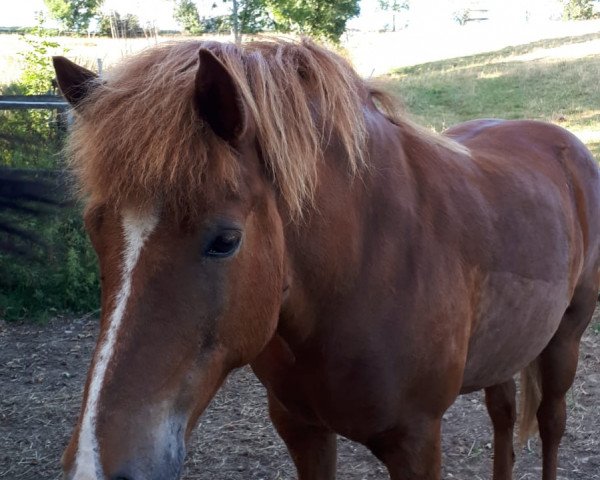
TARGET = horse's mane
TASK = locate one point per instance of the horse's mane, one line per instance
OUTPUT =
(139, 137)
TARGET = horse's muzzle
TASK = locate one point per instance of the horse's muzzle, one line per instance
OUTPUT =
(159, 460)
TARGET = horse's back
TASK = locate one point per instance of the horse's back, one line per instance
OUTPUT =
(520, 147)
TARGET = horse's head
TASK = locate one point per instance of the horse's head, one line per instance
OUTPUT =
(192, 265)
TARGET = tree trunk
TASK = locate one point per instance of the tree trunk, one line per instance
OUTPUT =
(236, 24)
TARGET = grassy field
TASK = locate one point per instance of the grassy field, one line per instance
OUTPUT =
(554, 80)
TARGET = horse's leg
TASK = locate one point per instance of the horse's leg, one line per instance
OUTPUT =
(501, 406)
(412, 452)
(558, 363)
(312, 446)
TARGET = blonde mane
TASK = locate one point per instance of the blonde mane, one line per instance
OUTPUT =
(140, 139)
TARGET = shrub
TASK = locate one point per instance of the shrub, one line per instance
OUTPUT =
(578, 10)
(60, 274)
(30, 138)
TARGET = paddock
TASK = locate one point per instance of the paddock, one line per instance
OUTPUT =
(43, 367)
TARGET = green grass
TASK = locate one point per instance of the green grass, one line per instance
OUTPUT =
(565, 91)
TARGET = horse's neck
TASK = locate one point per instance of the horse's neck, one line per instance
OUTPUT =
(329, 249)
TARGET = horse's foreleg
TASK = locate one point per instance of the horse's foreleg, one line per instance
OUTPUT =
(412, 452)
(501, 406)
(312, 446)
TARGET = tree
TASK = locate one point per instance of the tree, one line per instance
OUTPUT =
(319, 18)
(578, 9)
(394, 6)
(461, 16)
(186, 14)
(218, 24)
(73, 15)
(236, 22)
(117, 26)
(249, 16)
(38, 71)
(253, 16)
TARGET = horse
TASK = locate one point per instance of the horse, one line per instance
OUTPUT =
(263, 205)
(29, 192)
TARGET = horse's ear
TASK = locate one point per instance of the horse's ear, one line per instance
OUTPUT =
(75, 82)
(217, 97)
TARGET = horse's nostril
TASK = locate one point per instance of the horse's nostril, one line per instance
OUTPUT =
(121, 477)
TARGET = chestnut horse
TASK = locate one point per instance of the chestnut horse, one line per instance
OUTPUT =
(263, 205)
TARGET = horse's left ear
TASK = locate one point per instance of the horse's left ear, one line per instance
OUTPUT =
(75, 82)
(217, 97)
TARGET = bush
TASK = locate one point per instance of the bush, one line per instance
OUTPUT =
(186, 14)
(578, 10)
(28, 138)
(219, 24)
(117, 26)
(60, 276)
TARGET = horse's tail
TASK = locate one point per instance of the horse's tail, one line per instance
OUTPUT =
(531, 396)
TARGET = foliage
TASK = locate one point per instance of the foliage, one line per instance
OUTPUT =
(578, 9)
(461, 16)
(253, 16)
(29, 138)
(61, 277)
(186, 14)
(317, 18)
(74, 15)
(117, 26)
(62, 274)
(38, 73)
(394, 6)
(219, 24)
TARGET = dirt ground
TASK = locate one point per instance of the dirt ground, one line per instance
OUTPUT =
(43, 368)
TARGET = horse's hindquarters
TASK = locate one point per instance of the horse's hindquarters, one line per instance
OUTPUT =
(543, 243)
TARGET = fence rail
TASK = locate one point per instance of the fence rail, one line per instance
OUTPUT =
(26, 102)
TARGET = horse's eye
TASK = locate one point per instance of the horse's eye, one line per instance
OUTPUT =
(224, 244)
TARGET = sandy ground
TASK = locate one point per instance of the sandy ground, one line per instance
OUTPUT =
(43, 368)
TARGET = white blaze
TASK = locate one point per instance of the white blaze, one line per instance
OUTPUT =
(136, 229)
